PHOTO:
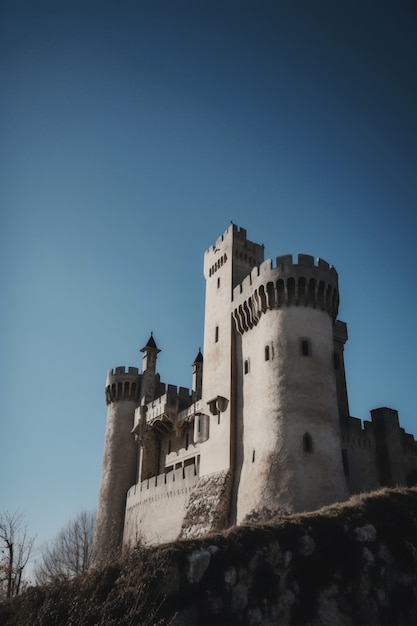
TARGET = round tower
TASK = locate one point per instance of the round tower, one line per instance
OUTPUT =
(288, 446)
(119, 461)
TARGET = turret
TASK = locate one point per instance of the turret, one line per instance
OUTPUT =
(150, 353)
(288, 455)
(119, 461)
(197, 376)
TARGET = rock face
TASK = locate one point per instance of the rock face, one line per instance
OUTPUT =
(346, 565)
(342, 566)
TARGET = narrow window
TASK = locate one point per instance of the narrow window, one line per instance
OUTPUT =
(218, 282)
(307, 443)
(187, 441)
(216, 334)
(253, 456)
(266, 353)
(246, 366)
(305, 347)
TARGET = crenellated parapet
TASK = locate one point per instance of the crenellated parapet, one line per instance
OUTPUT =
(122, 383)
(232, 246)
(286, 284)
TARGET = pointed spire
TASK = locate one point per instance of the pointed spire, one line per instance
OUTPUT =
(199, 357)
(151, 344)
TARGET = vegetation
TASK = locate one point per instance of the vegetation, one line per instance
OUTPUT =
(297, 559)
(16, 547)
(69, 553)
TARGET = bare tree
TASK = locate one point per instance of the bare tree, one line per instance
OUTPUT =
(69, 553)
(16, 547)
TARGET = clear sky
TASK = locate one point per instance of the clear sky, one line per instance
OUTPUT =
(132, 133)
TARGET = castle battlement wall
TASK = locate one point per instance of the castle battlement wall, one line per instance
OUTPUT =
(283, 267)
(238, 233)
(286, 284)
(121, 371)
(161, 485)
(189, 412)
(122, 384)
(155, 508)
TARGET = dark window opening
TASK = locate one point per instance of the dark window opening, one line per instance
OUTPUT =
(218, 283)
(307, 443)
(305, 347)
(253, 456)
(246, 366)
(187, 441)
(216, 334)
(266, 353)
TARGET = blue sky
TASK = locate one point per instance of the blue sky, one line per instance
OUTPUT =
(132, 133)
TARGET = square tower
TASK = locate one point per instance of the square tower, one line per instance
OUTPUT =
(226, 264)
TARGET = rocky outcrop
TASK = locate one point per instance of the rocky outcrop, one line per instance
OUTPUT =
(208, 506)
(346, 565)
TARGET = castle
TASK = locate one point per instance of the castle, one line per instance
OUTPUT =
(265, 429)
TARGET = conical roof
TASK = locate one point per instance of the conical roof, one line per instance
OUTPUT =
(199, 357)
(151, 344)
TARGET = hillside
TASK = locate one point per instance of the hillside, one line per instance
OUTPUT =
(349, 564)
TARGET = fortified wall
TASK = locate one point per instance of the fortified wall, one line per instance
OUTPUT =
(265, 429)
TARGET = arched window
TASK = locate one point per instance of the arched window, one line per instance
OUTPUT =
(307, 443)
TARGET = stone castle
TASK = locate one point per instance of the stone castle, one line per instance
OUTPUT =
(265, 429)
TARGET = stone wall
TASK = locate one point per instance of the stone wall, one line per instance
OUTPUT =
(155, 508)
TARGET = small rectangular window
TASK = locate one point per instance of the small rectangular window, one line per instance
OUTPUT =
(218, 282)
(216, 334)
(266, 353)
(246, 366)
(305, 348)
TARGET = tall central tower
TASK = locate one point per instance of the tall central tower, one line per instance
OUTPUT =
(225, 265)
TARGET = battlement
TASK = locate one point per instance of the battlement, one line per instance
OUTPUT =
(122, 370)
(239, 233)
(169, 403)
(122, 383)
(285, 283)
(163, 485)
(234, 241)
(384, 420)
